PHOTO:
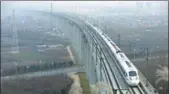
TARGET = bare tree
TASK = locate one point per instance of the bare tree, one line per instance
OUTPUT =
(162, 75)
(100, 85)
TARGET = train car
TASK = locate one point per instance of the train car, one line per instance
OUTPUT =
(130, 72)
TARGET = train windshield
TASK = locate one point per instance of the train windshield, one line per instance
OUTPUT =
(132, 73)
(118, 51)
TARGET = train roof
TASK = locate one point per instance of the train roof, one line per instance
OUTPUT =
(122, 58)
(125, 62)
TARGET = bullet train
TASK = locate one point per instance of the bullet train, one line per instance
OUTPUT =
(130, 72)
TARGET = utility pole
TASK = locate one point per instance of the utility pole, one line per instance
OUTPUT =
(142, 52)
(51, 10)
(105, 27)
(119, 40)
(14, 48)
(130, 48)
(147, 60)
(134, 53)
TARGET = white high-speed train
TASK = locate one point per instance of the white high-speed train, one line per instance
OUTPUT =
(130, 72)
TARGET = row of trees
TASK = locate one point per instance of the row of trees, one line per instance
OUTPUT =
(35, 68)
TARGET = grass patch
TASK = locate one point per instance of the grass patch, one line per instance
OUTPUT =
(28, 54)
(84, 83)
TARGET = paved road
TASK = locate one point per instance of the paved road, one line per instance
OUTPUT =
(44, 73)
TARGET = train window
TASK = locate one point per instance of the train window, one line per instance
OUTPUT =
(128, 64)
(125, 74)
(118, 51)
(132, 73)
(121, 55)
(113, 45)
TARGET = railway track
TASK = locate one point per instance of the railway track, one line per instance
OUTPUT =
(140, 89)
(136, 90)
(109, 71)
(133, 90)
(109, 74)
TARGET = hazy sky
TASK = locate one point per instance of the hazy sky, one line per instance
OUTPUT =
(84, 6)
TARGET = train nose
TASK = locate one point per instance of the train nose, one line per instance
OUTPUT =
(134, 78)
(134, 83)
